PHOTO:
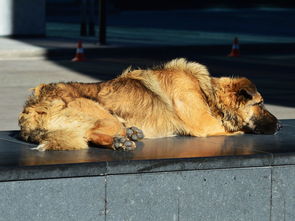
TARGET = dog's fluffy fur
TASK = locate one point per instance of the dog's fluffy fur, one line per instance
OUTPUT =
(178, 98)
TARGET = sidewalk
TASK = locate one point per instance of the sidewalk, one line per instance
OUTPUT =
(64, 48)
(40, 48)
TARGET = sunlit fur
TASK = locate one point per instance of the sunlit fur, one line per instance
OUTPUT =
(177, 98)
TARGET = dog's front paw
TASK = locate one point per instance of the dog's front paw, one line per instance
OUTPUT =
(133, 133)
(123, 143)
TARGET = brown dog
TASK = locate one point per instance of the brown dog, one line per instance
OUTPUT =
(178, 98)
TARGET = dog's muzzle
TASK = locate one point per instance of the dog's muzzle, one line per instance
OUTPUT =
(269, 124)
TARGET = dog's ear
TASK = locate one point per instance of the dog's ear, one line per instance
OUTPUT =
(245, 94)
(245, 89)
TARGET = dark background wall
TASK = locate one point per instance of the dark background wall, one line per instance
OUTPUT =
(184, 4)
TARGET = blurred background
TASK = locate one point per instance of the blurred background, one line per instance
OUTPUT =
(188, 22)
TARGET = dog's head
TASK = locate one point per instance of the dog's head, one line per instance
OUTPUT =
(245, 108)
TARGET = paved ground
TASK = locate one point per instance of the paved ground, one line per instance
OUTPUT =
(267, 55)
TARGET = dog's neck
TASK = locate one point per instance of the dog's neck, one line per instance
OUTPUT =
(221, 110)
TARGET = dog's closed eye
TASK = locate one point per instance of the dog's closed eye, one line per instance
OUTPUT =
(260, 103)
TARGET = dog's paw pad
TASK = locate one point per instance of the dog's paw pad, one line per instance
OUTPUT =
(133, 133)
(123, 143)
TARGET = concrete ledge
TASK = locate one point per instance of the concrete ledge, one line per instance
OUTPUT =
(19, 162)
(182, 178)
(260, 193)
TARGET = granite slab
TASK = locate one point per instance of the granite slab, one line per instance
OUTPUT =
(217, 195)
(55, 199)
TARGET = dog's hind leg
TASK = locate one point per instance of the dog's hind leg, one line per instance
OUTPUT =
(57, 125)
(102, 128)
(111, 133)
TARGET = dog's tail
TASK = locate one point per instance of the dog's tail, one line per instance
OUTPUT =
(56, 139)
(62, 140)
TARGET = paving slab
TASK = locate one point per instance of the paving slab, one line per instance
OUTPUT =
(217, 195)
(283, 193)
(57, 199)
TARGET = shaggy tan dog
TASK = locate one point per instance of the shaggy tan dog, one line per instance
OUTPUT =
(178, 98)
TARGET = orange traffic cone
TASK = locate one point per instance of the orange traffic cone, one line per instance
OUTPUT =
(235, 52)
(79, 53)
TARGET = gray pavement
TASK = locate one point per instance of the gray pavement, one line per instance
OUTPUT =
(16, 79)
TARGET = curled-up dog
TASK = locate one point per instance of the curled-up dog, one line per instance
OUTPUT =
(177, 98)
